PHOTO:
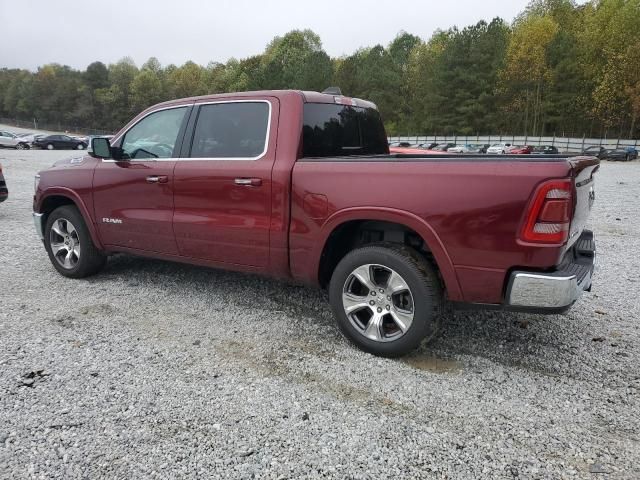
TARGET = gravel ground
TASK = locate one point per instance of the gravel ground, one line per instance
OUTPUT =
(153, 369)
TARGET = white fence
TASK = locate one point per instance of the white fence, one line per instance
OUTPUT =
(564, 144)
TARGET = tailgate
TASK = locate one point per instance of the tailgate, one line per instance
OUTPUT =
(584, 169)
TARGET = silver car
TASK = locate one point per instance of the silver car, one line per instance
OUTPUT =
(9, 140)
(468, 148)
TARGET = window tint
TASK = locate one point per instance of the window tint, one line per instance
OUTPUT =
(337, 130)
(154, 136)
(231, 130)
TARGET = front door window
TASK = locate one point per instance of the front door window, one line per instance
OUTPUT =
(154, 136)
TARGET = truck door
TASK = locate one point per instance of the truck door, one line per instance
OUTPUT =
(133, 198)
(223, 188)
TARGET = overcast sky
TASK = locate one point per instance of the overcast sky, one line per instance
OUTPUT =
(78, 32)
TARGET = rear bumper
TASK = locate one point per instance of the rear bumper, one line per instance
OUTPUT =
(556, 291)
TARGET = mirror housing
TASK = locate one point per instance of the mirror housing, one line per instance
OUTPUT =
(100, 147)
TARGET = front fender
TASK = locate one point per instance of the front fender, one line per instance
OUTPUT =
(408, 219)
(41, 199)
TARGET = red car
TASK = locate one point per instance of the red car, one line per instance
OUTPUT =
(412, 151)
(519, 150)
(301, 186)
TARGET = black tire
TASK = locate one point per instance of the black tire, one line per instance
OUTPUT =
(422, 280)
(91, 260)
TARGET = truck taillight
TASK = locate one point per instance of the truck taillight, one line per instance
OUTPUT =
(549, 215)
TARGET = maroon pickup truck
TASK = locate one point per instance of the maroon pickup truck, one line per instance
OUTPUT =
(301, 186)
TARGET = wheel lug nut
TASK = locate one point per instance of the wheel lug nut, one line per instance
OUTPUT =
(379, 310)
(389, 297)
(381, 290)
(372, 302)
(373, 293)
(388, 307)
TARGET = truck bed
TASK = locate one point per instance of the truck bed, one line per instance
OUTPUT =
(471, 205)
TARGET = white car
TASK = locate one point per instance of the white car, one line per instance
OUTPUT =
(499, 148)
(9, 140)
(458, 149)
(469, 148)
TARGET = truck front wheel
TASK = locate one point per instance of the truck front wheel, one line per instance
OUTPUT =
(69, 245)
(386, 299)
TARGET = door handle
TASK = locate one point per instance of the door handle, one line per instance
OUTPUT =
(158, 179)
(248, 182)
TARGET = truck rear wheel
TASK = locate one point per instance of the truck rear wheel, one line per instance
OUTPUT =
(69, 244)
(386, 299)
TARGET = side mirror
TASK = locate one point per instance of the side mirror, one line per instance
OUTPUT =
(100, 148)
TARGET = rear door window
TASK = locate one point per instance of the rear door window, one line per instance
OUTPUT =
(331, 130)
(232, 131)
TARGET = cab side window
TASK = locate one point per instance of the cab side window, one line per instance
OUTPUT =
(233, 131)
(154, 136)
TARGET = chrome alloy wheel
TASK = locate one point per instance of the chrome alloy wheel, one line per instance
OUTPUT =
(64, 243)
(378, 303)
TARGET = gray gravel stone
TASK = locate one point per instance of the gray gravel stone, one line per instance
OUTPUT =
(131, 394)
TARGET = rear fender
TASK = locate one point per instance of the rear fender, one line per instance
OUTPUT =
(415, 223)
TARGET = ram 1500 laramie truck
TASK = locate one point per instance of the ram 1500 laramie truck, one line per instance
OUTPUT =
(301, 186)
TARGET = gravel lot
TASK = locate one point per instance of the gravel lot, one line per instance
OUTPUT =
(153, 369)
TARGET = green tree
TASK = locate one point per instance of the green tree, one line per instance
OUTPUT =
(146, 89)
(527, 72)
(296, 61)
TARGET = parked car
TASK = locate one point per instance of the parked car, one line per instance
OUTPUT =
(632, 151)
(11, 140)
(4, 191)
(427, 146)
(499, 148)
(200, 181)
(443, 147)
(546, 150)
(595, 151)
(52, 142)
(411, 150)
(30, 137)
(400, 144)
(520, 150)
(621, 154)
(468, 148)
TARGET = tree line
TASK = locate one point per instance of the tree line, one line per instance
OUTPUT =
(559, 68)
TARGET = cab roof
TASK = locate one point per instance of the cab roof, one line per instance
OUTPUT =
(307, 97)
